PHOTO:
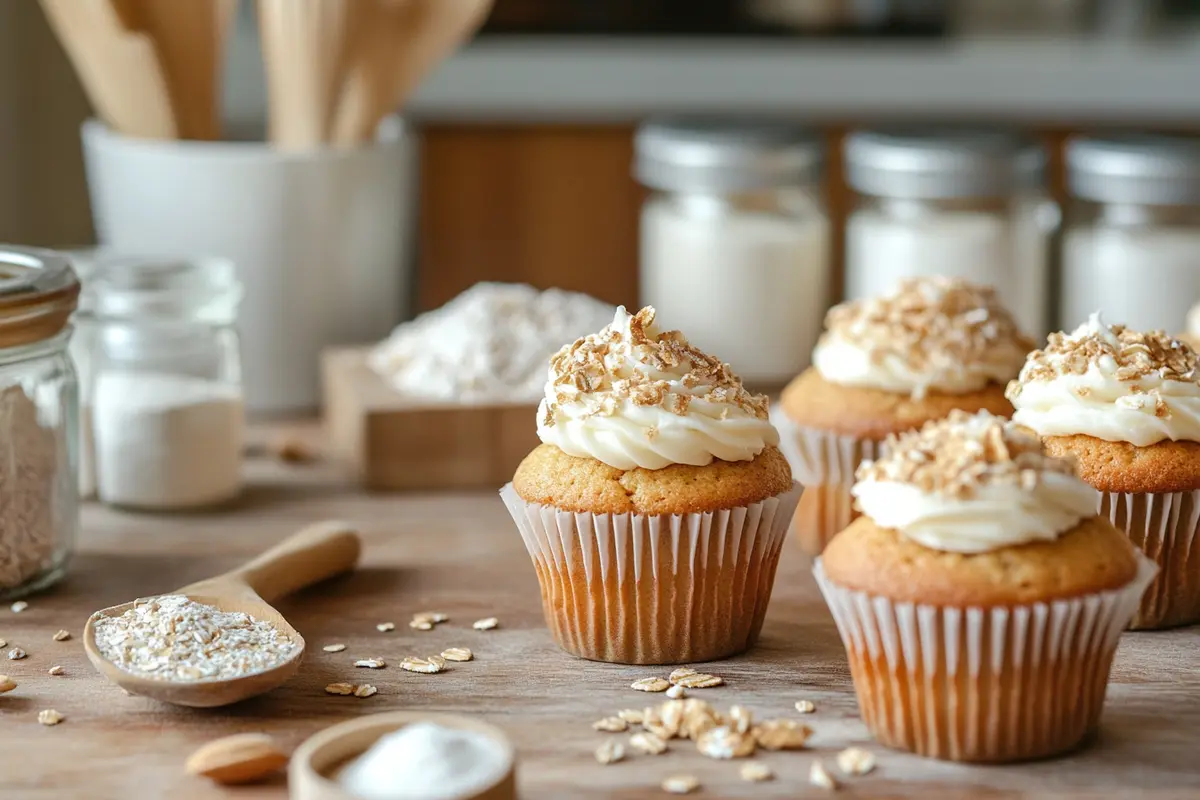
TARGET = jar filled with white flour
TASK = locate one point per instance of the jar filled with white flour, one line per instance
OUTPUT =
(166, 407)
(735, 240)
(1132, 244)
(960, 203)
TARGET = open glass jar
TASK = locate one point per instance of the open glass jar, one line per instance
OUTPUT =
(165, 404)
(39, 417)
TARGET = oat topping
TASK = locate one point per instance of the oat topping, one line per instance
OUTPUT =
(610, 752)
(485, 624)
(605, 369)
(50, 717)
(962, 453)
(756, 773)
(855, 761)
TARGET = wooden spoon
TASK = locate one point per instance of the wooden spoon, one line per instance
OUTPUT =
(317, 552)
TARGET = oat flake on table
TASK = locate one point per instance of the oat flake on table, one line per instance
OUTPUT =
(172, 638)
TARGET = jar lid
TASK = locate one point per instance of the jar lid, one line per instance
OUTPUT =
(1132, 168)
(38, 293)
(147, 287)
(711, 154)
(942, 163)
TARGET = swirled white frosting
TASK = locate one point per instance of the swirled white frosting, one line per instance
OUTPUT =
(630, 396)
(971, 484)
(1111, 383)
(933, 333)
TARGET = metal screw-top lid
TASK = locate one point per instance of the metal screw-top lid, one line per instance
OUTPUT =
(942, 163)
(710, 154)
(1155, 170)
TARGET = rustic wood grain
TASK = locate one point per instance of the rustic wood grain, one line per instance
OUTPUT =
(460, 554)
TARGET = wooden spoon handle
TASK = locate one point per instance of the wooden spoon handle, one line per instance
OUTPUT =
(316, 552)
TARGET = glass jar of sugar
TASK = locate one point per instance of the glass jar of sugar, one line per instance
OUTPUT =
(39, 418)
(956, 202)
(735, 240)
(1132, 245)
(166, 407)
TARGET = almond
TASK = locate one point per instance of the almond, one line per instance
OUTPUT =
(242, 758)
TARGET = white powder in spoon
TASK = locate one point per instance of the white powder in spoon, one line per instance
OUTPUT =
(492, 343)
(425, 761)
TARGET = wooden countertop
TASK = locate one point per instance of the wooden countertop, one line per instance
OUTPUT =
(460, 554)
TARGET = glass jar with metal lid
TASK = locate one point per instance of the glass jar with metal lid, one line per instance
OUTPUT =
(166, 406)
(735, 239)
(955, 202)
(39, 417)
(1132, 245)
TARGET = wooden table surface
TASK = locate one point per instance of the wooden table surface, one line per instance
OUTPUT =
(460, 554)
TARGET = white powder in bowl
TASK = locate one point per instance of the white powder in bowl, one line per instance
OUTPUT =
(425, 761)
(492, 343)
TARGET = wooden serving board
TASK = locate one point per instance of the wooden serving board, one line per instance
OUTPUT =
(460, 554)
(395, 442)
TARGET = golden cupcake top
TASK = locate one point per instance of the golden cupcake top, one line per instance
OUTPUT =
(932, 333)
(634, 396)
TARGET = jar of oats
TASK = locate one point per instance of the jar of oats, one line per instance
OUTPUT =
(39, 410)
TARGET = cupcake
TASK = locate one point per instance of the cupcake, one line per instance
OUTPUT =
(888, 365)
(1126, 407)
(656, 508)
(980, 597)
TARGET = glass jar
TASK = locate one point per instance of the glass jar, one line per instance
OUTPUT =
(166, 402)
(960, 203)
(735, 240)
(39, 418)
(1132, 245)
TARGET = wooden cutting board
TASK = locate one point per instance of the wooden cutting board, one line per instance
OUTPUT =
(460, 554)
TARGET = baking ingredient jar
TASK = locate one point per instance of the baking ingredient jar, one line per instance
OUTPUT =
(735, 240)
(166, 402)
(956, 202)
(39, 417)
(1132, 245)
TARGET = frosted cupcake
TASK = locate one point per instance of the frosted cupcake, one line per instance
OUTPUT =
(980, 598)
(657, 506)
(885, 366)
(1126, 406)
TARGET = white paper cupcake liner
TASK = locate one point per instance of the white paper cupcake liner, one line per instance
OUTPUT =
(1163, 526)
(636, 589)
(982, 684)
(824, 464)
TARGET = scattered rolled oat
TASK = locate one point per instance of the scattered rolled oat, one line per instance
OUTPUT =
(7, 684)
(365, 690)
(19, 606)
(819, 776)
(60, 636)
(3, 643)
(680, 784)
(334, 648)
(340, 688)
(676, 692)
(610, 752)
(740, 719)
(610, 725)
(650, 685)
(805, 706)
(56, 670)
(647, 743)
(855, 761)
(725, 742)
(630, 715)
(16, 654)
(50, 717)
(756, 773)
(436, 617)
(458, 654)
(427, 666)
(781, 734)
(371, 663)
(699, 680)
(485, 624)
(682, 672)
(421, 625)
(384, 627)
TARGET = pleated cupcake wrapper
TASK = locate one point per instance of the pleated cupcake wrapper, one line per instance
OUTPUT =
(824, 463)
(638, 589)
(980, 684)
(1164, 527)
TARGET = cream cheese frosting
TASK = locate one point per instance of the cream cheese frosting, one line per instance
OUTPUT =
(1111, 383)
(632, 396)
(934, 333)
(972, 484)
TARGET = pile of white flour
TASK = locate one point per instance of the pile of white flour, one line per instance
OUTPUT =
(492, 343)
